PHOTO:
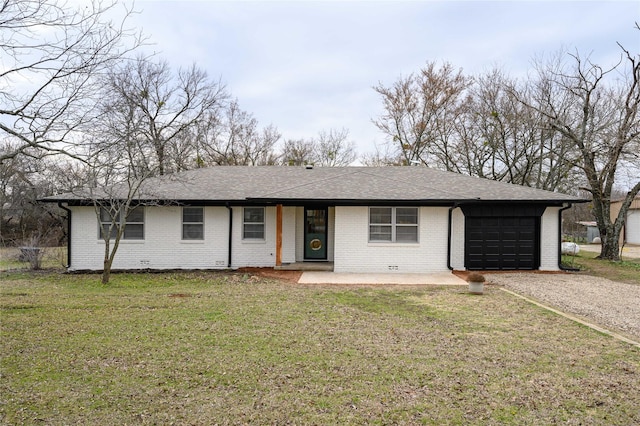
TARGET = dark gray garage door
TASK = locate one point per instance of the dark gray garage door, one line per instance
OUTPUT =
(502, 242)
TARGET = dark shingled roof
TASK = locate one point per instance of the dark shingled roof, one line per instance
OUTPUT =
(334, 185)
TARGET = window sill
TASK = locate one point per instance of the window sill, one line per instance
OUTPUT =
(124, 241)
(253, 241)
(392, 244)
(191, 241)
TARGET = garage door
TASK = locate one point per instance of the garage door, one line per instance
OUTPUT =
(502, 242)
(633, 226)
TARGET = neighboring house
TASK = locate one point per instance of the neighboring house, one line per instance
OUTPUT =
(591, 231)
(631, 231)
(353, 219)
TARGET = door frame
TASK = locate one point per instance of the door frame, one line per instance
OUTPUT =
(326, 233)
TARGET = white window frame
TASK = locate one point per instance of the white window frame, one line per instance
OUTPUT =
(191, 224)
(394, 225)
(245, 223)
(104, 225)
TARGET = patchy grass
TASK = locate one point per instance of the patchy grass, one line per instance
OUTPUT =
(52, 258)
(626, 271)
(234, 348)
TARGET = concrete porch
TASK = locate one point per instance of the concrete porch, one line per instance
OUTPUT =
(322, 277)
(306, 266)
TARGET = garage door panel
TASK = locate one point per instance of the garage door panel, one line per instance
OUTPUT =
(511, 235)
(509, 264)
(490, 234)
(526, 235)
(492, 250)
(510, 221)
(491, 263)
(490, 221)
(502, 243)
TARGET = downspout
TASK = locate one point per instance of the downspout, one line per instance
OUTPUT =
(562, 268)
(230, 245)
(68, 234)
(455, 205)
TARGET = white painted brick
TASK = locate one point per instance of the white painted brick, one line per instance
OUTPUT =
(354, 253)
(457, 239)
(254, 253)
(162, 247)
(549, 240)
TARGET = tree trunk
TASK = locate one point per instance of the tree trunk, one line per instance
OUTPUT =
(610, 249)
(107, 262)
(612, 229)
(106, 271)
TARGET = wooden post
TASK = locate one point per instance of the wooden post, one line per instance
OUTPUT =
(279, 235)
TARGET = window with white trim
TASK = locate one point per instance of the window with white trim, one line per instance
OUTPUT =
(393, 224)
(134, 224)
(253, 223)
(193, 223)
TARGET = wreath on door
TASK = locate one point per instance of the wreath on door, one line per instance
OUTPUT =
(315, 244)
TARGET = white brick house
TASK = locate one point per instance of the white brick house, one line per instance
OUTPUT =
(349, 219)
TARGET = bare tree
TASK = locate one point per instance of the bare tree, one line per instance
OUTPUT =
(23, 180)
(504, 140)
(51, 53)
(381, 156)
(117, 173)
(597, 110)
(162, 106)
(148, 116)
(329, 149)
(332, 148)
(420, 112)
(234, 138)
(298, 152)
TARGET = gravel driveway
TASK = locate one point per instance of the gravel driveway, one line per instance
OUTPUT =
(610, 304)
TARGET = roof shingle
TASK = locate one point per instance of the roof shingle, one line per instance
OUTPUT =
(336, 184)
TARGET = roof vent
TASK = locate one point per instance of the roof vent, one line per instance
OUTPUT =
(308, 166)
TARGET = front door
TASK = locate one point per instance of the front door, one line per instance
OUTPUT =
(315, 233)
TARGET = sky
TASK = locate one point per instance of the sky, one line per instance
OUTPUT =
(308, 66)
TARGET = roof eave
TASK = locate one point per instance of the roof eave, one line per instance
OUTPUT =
(324, 201)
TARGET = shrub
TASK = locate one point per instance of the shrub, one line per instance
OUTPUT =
(475, 277)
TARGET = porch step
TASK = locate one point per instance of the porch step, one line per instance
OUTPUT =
(306, 266)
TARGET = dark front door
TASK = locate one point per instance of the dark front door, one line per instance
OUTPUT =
(315, 233)
(495, 242)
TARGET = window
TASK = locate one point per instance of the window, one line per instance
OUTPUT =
(193, 223)
(253, 223)
(134, 228)
(393, 224)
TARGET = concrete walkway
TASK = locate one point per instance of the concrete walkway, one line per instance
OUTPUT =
(321, 277)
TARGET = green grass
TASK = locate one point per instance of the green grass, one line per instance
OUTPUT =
(627, 270)
(230, 348)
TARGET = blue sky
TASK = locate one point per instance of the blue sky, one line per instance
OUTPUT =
(306, 66)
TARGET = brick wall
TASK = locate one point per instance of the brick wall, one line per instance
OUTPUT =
(162, 247)
(354, 253)
(549, 239)
(457, 239)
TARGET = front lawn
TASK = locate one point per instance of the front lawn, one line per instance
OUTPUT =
(626, 271)
(232, 348)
